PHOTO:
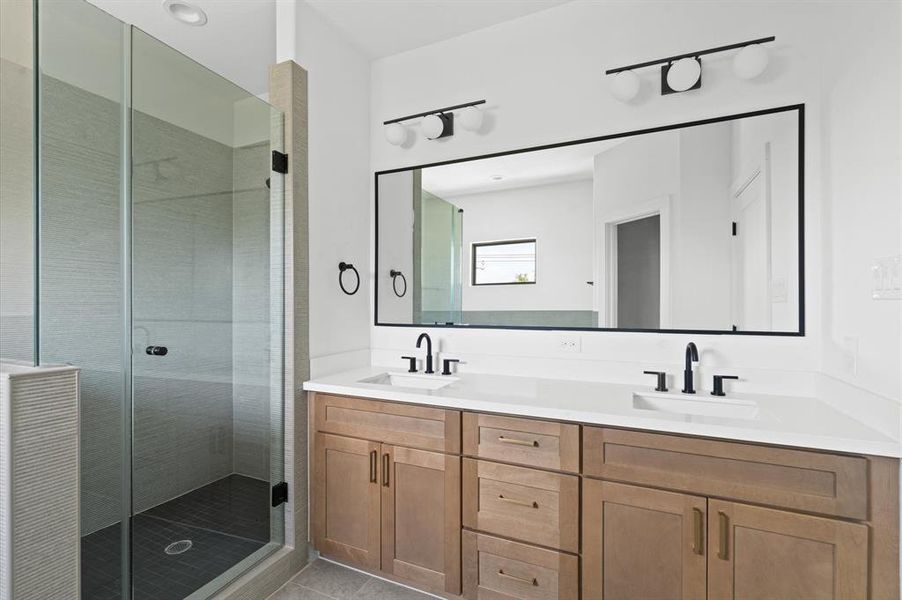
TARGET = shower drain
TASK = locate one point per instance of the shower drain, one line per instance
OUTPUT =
(178, 547)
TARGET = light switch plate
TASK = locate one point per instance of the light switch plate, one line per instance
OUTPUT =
(886, 277)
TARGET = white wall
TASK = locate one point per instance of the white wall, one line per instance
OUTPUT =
(542, 76)
(559, 217)
(339, 189)
(701, 237)
(862, 182)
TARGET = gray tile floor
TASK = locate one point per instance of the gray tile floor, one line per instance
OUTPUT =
(323, 580)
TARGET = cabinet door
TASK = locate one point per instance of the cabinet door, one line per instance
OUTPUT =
(776, 555)
(642, 543)
(346, 499)
(421, 517)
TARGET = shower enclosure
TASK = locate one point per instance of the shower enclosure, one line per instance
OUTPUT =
(153, 237)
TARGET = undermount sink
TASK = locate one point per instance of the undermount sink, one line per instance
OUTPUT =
(411, 380)
(705, 406)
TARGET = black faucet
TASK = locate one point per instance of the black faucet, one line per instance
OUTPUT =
(691, 356)
(425, 336)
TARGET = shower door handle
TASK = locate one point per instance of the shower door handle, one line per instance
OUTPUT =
(157, 350)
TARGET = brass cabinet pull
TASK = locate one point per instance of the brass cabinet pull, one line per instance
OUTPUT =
(505, 440)
(518, 502)
(698, 545)
(385, 467)
(525, 580)
(373, 466)
(723, 552)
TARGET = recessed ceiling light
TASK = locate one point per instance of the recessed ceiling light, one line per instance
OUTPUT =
(497, 177)
(185, 13)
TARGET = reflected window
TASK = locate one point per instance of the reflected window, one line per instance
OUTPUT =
(509, 262)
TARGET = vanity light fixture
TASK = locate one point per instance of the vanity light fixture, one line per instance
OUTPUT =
(185, 12)
(438, 126)
(471, 118)
(750, 62)
(436, 123)
(396, 134)
(681, 76)
(625, 86)
(683, 72)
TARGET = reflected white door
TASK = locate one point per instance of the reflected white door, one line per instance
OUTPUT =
(751, 256)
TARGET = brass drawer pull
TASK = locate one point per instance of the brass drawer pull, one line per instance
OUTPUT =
(506, 440)
(723, 552)
(698, 545)
(518, 502)
(525, 580)
(386, 465)
(373, 466)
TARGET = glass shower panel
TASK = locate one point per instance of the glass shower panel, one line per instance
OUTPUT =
(81, 320)
(206, 310)
(437, 261)
(17, 332)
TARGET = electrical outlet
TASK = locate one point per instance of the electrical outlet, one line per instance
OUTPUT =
(886, 278)
(570, 343)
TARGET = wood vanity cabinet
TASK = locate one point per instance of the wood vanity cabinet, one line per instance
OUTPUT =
(758, 552)
(642, 543)
(500, 569)
(384, 506)
(510, 508)
(421, 517)
(347, 499)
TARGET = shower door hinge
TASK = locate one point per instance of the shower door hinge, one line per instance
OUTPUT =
(279, 162)
(735, 228)
(279, 493)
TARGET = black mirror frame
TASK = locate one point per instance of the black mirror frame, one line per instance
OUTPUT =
(799, 108)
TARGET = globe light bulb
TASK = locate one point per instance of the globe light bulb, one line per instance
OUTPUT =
(683, 74)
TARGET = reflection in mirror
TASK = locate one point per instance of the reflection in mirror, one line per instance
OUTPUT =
(685, 228)
(503, 263)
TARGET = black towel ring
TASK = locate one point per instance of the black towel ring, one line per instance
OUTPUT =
(342, 267)
(394, 279)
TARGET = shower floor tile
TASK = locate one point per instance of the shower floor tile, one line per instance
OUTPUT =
(160, 576)
(236, 505)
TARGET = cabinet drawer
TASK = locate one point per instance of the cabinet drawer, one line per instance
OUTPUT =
(401, 424)
(799, 479)
(521, 503)
(522, 441)
(496, 569)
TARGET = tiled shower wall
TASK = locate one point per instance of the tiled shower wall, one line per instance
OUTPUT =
(182, 299)
(200, 257)
(81, 282)
(16, 207)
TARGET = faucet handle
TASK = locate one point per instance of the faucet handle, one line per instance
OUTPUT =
(446, 365)
(718, 384)
(413, 363)
(662, 380)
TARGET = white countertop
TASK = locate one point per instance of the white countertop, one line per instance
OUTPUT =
(801, 422)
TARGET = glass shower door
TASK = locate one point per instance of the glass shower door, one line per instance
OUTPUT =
(159, 237)
(206, 303)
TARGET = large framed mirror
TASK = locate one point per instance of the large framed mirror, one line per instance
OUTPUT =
(693, 227)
